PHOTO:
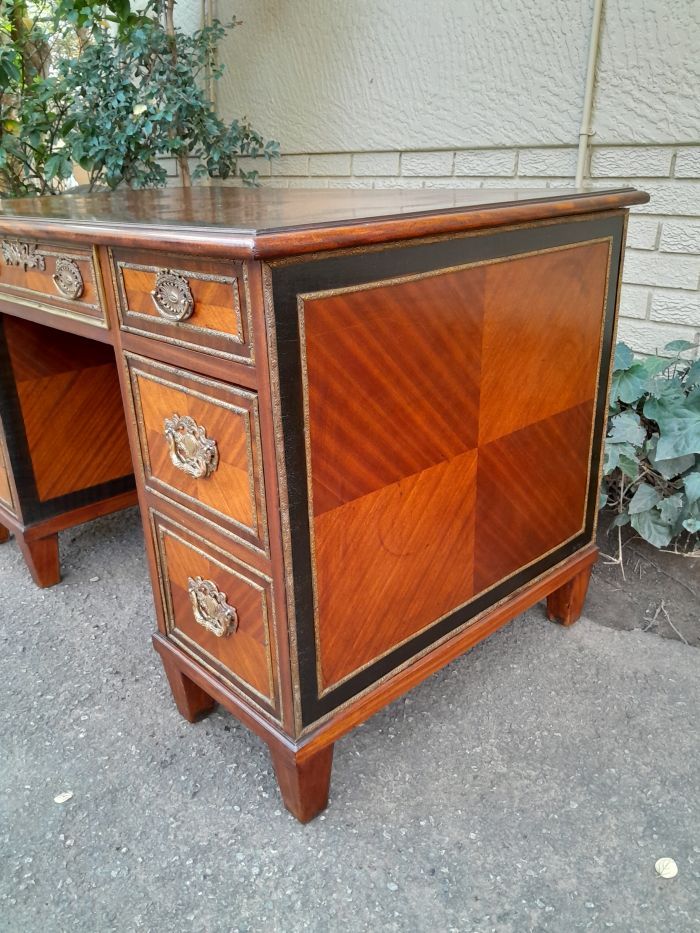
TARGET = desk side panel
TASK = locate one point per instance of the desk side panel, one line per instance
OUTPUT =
(442, 407)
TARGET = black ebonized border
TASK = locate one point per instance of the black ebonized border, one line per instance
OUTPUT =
(32, 511)
(340, 271)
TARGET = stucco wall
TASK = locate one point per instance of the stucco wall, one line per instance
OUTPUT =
(485, 92)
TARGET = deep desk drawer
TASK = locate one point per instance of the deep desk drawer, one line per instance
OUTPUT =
(217, 609)
(200, 446)
(53, 277)
(196, 303)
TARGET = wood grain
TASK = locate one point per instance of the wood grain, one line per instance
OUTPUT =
(541, 339)
(69, 396)
(393, 382)
(5, 488)
(393, 561)
(565, 604)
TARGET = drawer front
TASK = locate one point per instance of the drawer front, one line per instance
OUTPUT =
(219, 610)
(197, 303)
(200, 446)
(53, 277)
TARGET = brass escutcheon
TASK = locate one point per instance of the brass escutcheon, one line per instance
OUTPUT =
(210, 608)
(172, 296)
(67, 278)
(190, 449)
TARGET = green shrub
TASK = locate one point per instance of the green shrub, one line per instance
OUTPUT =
(651, 467)
(114, 91)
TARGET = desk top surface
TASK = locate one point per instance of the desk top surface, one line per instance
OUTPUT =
(269, 222)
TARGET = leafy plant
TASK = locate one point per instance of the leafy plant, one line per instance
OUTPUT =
(115, 92)
(652, 451)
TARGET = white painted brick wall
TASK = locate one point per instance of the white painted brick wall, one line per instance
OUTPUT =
(680, 237)
(660, 300)
(486, 162)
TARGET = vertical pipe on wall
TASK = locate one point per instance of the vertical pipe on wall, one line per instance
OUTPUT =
(585, 131)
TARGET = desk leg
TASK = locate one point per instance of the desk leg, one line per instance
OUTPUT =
(191, 701)
(565, 605)
(4, 534)
(41, 555)
(304, 781)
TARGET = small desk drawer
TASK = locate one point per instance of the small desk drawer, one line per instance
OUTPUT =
(200, 446)
(196, 303)
(53, 277)
(218, 609)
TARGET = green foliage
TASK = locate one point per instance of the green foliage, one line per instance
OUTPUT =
(652, 451)
(113, 91)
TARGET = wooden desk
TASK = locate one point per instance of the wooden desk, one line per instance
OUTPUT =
(366, 427)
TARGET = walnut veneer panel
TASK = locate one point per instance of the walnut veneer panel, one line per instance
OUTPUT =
(531, 492)
(244, 657)
(70, 400)
(35, 286)
(381, 406)
(448, 437)
(541, 340)
(232, 494)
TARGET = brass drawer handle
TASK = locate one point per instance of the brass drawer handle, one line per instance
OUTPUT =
(25, 255)
(210, 608)
(172, 296)
(190, 449)
(68, 279)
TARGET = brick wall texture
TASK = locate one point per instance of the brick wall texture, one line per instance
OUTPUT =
(660, 298)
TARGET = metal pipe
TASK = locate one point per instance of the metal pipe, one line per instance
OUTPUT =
(586, 131)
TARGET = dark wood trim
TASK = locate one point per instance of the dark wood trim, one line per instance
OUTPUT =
(331, 272)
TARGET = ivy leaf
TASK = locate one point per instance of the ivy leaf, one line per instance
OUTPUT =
(645, 498)
(670, 508)
(623, 357)
(679, 425)
(629, 466)
(692, 525)
(614, 453)
(652, 527)
(627, 426)
(692, 377)
(628, 385)
(692, 486)
(680, 346)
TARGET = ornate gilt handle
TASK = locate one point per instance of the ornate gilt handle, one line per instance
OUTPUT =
(68, 279)
(210, 608)
(172, 296)
(25, 255)
(190, 449)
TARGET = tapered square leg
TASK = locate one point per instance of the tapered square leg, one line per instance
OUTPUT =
(41, 556)
(4, 534)
(192, 702)
(565, 605)
(304, 780)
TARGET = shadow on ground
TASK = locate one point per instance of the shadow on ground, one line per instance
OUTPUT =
(531, 785)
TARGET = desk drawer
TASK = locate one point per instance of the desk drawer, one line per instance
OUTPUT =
(200, 446)
(53, 277)
(217, 609)
(191, 302)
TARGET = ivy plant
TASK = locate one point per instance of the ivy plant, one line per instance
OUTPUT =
(652, 451)
(114, 91)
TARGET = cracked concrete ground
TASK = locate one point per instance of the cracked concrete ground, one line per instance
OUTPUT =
(531, 785)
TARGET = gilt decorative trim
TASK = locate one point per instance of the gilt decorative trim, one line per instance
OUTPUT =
(210, 608)
(172, 296)
(68, 279)
(190, 449)
(25, 255)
